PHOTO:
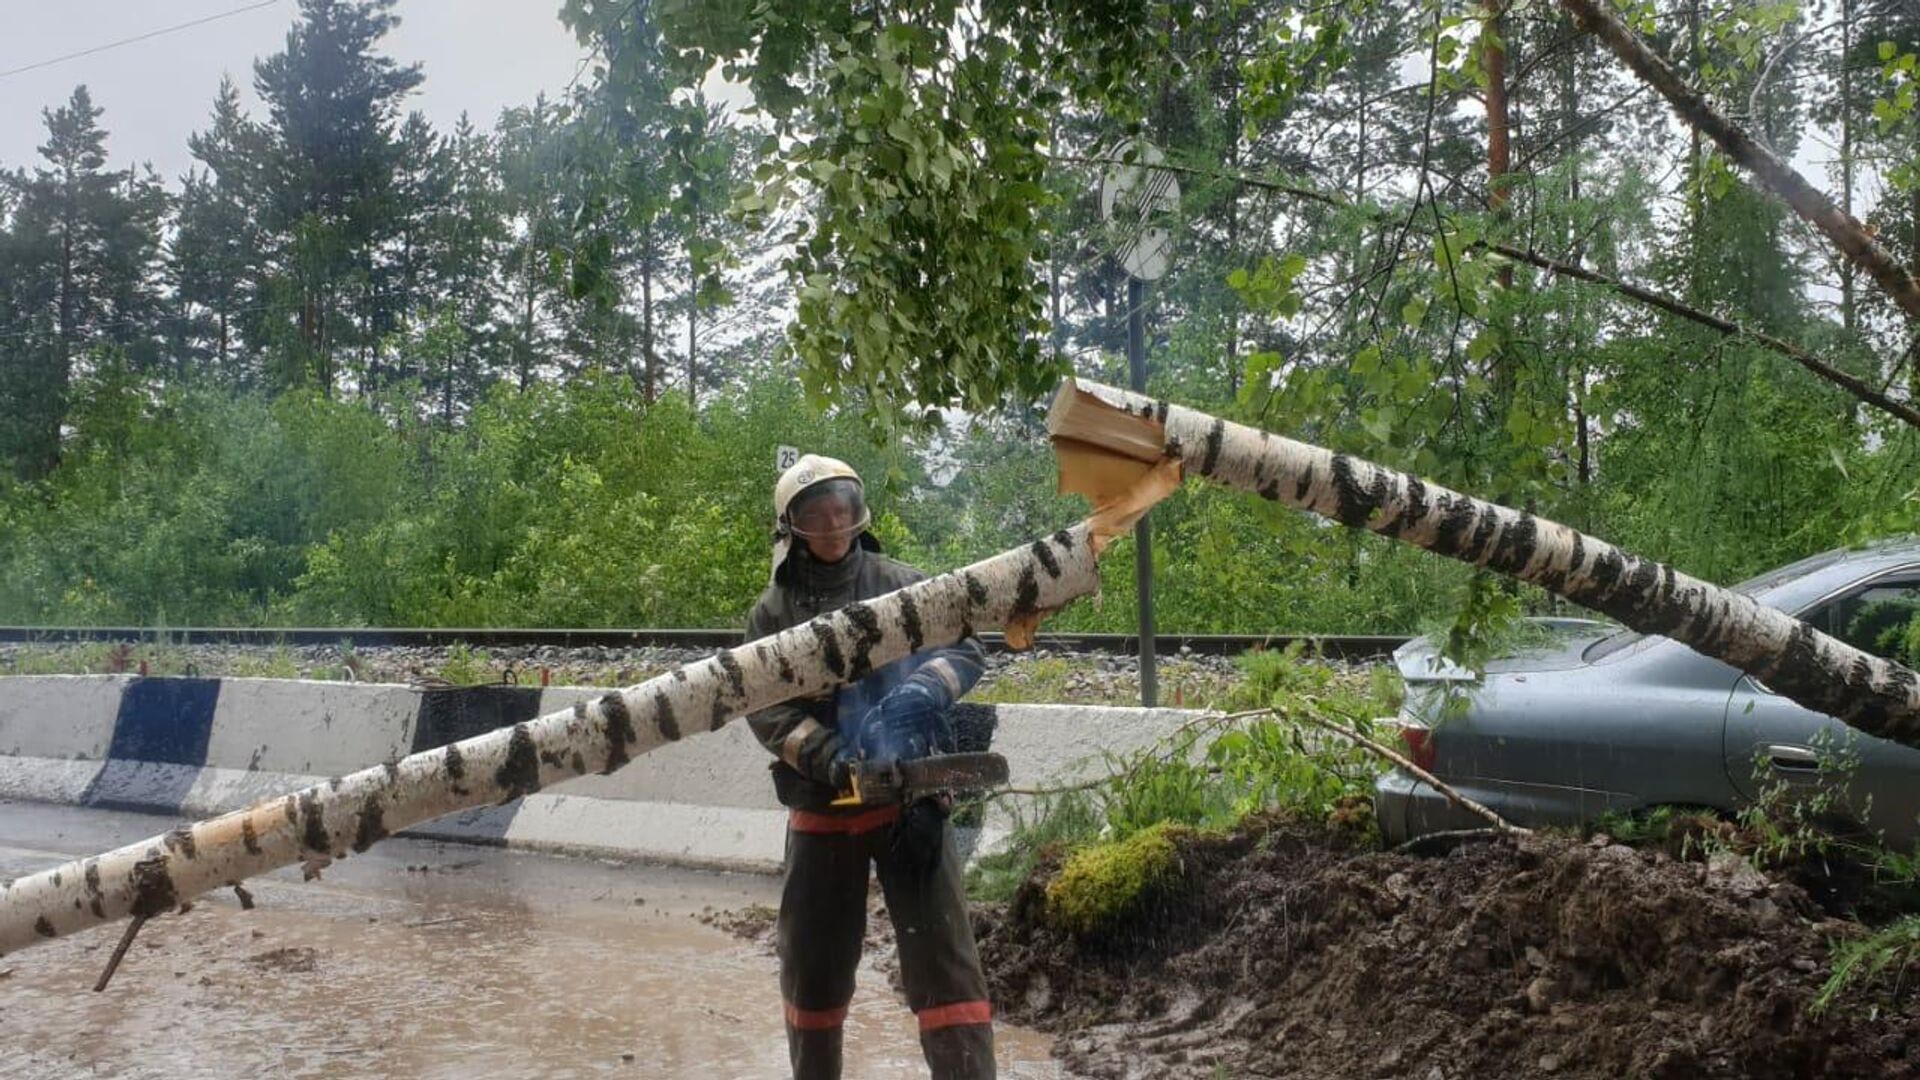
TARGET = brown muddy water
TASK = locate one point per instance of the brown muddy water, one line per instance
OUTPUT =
(427, 960)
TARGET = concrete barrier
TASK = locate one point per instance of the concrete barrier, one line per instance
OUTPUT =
(198, 747)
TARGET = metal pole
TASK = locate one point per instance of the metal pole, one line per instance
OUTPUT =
(1142, 533)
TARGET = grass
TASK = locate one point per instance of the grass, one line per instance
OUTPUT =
(278, 664)
(1214, 771)
(1049, 823)
(97, 658)
(1059, 680)
(468, 667)
(461, 665)
(1042, 678)
(1894, 949)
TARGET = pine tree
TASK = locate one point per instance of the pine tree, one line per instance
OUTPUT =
(83, 248)
(529, 165)
(331, 108)
(214, 258)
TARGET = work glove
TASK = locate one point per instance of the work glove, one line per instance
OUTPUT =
(839, 756)
(919, 837)
(911, 721)
(825, 758)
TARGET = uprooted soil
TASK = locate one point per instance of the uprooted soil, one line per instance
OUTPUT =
(1279, 953)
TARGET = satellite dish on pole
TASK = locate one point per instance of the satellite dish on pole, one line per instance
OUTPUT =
(1136, 202)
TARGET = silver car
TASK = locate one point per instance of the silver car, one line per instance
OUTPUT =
(1603, 719)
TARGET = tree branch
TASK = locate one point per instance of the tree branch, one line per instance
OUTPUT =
(1859, 388)
(1775, 175)
(1388, 754)
(1868, 693)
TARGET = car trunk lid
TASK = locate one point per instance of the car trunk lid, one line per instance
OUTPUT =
(1551, 644)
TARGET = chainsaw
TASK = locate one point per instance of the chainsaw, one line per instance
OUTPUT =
(879, 783)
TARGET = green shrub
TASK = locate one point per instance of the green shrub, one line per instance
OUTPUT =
(1214, 772)
(1051, 823)
(466, 666)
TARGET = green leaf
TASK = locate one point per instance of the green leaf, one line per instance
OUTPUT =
(1377, 426)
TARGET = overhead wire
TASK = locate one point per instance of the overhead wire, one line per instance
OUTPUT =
(148, 36)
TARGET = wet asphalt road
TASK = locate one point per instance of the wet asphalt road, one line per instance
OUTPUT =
(422, 959)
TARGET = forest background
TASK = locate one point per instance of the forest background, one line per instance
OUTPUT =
(351, 370)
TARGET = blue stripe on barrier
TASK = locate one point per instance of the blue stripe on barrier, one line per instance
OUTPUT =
(165, 720)
(447, 716)
(159, 743)
(450, 715)
(973, 726)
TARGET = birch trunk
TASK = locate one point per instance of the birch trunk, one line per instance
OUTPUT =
(351, 813)
(1792, 658)
(1812, 204)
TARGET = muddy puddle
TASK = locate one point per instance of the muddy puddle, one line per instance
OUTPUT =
(431, 961)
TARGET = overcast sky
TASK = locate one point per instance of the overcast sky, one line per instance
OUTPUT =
(479, 56)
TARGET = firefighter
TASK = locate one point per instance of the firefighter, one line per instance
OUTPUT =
(824, 558)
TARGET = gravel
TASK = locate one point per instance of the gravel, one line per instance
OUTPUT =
(1186, 679)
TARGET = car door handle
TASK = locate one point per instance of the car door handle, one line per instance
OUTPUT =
(1786, 757)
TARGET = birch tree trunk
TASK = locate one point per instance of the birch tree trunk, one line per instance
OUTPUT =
(1812, 204)
(351, 813)
(1792, 658)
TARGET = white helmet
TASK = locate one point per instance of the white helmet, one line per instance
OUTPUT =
(812, 481)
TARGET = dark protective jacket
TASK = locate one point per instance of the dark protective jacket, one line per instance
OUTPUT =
(802, 732)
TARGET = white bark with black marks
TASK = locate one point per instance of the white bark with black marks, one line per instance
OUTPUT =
(351, 813)
(1822, 673)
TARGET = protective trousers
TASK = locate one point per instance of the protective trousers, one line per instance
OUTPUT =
(823, 919)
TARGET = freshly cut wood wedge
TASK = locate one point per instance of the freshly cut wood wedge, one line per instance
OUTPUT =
(1117, 461)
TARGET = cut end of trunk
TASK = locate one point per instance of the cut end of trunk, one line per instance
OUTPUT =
(1084, 417)
(1113, 458)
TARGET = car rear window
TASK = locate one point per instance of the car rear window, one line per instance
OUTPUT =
(1609, 645)
(1753, 586)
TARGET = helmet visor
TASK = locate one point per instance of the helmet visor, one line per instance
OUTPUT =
(830, 510)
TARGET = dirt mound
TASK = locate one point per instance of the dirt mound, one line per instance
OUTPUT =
(1278, 954)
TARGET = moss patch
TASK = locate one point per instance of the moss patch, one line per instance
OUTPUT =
(1097, 886)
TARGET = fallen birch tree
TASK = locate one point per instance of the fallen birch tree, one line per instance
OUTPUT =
(1105, 436)
(351, 813)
